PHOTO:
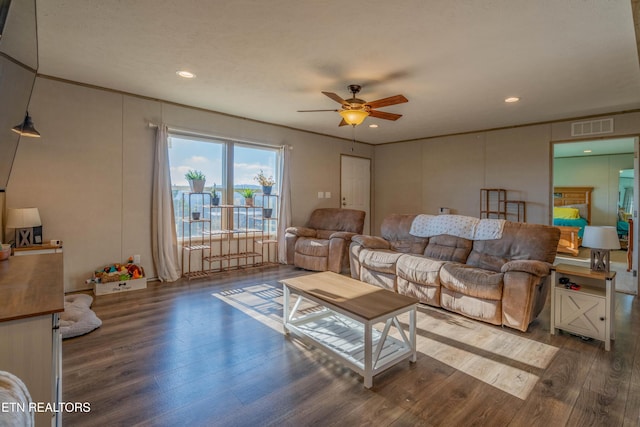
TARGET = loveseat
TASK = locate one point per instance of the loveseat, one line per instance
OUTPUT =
(491, 270)
(322, 244)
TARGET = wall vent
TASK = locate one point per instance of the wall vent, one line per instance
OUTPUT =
(592, 127)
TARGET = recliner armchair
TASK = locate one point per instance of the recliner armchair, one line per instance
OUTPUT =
(322, 244)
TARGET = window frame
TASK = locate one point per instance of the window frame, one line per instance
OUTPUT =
(226, 188)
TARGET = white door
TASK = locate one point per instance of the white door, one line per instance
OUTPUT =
(355, 186)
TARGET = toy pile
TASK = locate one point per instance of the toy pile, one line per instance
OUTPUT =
(118, 272)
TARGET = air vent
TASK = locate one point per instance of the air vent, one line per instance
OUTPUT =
(592, 127)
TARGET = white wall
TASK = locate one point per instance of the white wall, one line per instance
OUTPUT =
(90, 174)
(420, 176)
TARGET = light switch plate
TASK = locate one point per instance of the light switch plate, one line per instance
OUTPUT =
(320, 195)
(327, 195)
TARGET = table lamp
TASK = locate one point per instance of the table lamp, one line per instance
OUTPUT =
(23, 220)
(601, 240)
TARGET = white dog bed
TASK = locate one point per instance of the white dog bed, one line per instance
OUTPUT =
(78, 318)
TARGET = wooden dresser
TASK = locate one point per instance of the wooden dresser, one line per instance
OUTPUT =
(32, 296)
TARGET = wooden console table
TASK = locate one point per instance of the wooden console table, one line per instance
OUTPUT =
(32, 295)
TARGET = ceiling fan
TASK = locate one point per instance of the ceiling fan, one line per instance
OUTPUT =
(355, 110)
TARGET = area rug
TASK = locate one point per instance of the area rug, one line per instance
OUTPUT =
(78, 318)
(503, 359)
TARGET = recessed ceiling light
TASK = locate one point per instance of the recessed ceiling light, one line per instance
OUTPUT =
(373, 125)
(186, 74)
(586, 151)
(512, 99)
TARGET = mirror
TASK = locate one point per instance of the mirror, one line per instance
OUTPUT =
(595, 163)
(625, 191)
(18, 67)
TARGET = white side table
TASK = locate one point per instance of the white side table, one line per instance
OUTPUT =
(587, 311)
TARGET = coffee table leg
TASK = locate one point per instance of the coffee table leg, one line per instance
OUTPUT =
(368, 356)
(412, 333)
(285, 308)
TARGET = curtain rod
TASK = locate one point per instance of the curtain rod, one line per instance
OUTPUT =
(188, 132)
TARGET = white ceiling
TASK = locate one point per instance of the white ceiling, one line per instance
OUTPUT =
(455, 61)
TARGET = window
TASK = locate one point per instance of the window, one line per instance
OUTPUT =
(212, 157)
(247, 162)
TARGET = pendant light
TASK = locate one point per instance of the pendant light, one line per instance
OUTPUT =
(26, 128)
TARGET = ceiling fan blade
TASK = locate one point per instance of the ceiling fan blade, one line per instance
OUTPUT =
(385, 102)
(336, 98)
(343, 123)
(314, 111)
(384, 115)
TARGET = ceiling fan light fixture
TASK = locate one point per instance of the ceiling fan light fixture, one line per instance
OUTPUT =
(26, 128)
(354, 117)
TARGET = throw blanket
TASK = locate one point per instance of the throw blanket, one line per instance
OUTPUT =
(457, 225)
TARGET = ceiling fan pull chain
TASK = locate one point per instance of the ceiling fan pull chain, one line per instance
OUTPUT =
(353, 142)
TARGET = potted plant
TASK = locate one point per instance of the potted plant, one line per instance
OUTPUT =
(266, 182)
(267, 212)
(248, 194)
(195, 215)
(196, 180)
(215, 196)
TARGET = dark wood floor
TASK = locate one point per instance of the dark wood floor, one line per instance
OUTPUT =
(173, 355)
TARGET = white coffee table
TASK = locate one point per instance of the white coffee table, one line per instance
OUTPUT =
(343, 325)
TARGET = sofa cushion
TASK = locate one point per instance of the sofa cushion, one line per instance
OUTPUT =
(426, 294)
(381, 279)
(520, 241)
(313, 263)
(312, 247)
(419, 269)
(324, 234)
(448, 248)
(380, 260)
(489, 311)
(370, 242)
(337, 219)
(395, 229)
(472, 281)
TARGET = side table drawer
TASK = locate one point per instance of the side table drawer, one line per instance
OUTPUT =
(581, 313)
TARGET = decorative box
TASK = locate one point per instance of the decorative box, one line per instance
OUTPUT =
(119, 286)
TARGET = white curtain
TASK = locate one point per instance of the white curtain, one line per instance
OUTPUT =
(285, 202)
(163, 228)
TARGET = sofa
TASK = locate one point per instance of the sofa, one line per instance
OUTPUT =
(322, 244)
(501, 277)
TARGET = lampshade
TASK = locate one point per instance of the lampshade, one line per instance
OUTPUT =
(23, 218)
(605, 237)
(26, 128)
(354, 117)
